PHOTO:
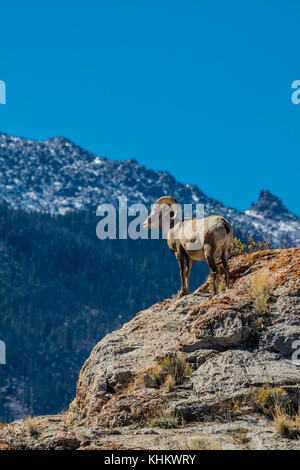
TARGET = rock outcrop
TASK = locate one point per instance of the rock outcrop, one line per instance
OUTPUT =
(232, 349)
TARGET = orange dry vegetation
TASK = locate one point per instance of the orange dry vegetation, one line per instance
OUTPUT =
(209, 316)
(207, 304)
(285, 269)
(210, 310)
(282, 267)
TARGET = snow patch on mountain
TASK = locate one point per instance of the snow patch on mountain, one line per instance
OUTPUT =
(57, 176)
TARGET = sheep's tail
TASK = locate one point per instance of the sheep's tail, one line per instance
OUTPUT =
(226, 225)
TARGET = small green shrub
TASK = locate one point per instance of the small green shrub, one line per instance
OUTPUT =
(174, 366)
(241, 435)
(164, 419)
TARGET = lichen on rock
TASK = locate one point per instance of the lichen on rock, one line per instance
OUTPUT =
(232, 350)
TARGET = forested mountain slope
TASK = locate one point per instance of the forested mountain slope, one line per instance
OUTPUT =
(61, 290)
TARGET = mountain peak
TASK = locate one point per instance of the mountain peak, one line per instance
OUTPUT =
(60, 139)
(58, 176)
(268, 204)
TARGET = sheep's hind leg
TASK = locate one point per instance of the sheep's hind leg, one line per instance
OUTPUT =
(210, 258)
(224, 259)
(189, 265)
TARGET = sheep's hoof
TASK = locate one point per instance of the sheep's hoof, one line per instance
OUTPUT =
(182, 293)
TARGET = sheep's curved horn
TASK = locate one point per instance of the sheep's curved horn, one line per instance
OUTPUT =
(168, 201)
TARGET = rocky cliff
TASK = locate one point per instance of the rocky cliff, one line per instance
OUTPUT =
(208, 364)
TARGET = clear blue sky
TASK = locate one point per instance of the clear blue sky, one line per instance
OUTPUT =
(199, 88)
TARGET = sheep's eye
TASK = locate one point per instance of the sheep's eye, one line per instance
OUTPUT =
(172, 213)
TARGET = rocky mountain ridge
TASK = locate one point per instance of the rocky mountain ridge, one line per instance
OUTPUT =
(58, 176)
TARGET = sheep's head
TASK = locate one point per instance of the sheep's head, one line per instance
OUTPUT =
(163, 211)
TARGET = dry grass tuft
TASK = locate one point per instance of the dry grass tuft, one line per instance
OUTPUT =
(173, 368)
(31, 425)
(267, 399)
(285, 425)
(156, 373)
(168, 371)
(200, 443)
(275, 402)
(170, 383)
(260, 291)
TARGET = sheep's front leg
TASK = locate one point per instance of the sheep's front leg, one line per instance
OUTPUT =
(181, 262)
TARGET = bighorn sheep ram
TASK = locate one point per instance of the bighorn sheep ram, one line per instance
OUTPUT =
(192, 239)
